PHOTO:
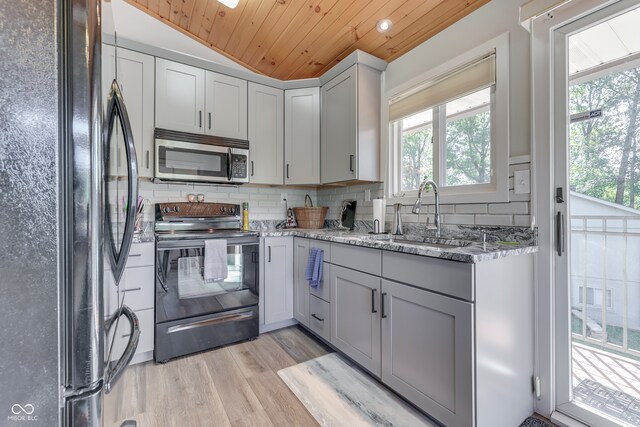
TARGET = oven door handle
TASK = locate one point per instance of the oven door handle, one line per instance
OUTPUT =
(229, 166)
(198, 244)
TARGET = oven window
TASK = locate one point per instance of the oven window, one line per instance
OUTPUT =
(179, 161)
(182, 291)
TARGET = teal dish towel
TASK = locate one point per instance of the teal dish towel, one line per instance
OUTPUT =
(313, 273)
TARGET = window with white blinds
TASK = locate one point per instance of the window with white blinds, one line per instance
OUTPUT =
(471, 77)
(453, 128)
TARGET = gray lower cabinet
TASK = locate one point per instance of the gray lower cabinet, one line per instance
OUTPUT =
(300, 284)
(427, 351)
(278, 274)
(355, 320)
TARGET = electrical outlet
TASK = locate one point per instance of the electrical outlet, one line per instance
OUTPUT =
(521, 182)
(367, 195)
(283, 197)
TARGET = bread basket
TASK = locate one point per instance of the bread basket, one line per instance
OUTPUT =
(309, 216)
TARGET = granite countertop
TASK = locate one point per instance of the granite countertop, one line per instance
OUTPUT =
(474, 252)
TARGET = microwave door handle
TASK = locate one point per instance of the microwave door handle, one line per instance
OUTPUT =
(229, 167)
(117, 108)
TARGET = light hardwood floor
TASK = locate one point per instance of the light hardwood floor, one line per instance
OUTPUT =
(236, 385)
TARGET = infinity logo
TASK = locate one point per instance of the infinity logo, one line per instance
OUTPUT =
(19, 409)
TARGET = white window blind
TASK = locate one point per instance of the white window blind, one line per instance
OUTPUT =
(476, 75)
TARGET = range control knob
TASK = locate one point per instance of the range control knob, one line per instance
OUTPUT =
(166, 210)
(222, 209)
(176, 209)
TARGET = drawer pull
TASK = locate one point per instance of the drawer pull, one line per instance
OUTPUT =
(373, 301)
(131, 290)
(209, 322)
(384, 316)
(134, 255)
(317, 318)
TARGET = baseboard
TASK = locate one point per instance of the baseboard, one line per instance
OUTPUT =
(142, 357)
(277, 325)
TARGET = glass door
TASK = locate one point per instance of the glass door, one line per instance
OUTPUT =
(597, 215)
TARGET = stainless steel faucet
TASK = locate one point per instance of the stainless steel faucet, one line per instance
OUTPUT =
(418, 204)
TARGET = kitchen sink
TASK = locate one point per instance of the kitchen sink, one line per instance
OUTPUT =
(433, 242)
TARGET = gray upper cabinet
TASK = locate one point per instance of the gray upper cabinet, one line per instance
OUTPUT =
(180, 96)
(194, 100)
(350, 148)
(135, 75)
(300, 284)
(355, 316)
(302, 136)
(226, 106)
(266, 135)
(427, 351)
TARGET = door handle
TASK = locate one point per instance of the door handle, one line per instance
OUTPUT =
(560, 233)
(351, 163)
(287, 170)
(269, 260)
(209, 119)
(373, 301)
(383, 315)
(317, 318)
(147, 159)
(199, 118)
(251, 167)
(116, 368)
(229, 167)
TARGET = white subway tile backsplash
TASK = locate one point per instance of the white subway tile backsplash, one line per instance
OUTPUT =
(494, 220)
(509, 208)
(458, 219)
(522, 220)
(478, 208)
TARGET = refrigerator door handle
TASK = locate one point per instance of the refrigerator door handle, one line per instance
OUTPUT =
(116, 107)
(116, 368)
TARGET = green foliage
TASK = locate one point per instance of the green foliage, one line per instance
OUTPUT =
(604, 160)
(469, 150)
(417, 157)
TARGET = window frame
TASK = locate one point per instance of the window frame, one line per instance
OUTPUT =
(498, 189)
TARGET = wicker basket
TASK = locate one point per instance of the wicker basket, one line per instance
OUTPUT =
(309, 216)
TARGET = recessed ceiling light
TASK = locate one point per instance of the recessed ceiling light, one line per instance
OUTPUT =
(384, 25)
(229, 3)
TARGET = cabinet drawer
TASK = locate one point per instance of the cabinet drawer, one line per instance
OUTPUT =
(447, 277)
(357, 258)
(323, 290)
(320, 317)
(141, 254)
(325, 246)
(138, 285)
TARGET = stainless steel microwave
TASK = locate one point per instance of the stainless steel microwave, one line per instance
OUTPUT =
(188, 157)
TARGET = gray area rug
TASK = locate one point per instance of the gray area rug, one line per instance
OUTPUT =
(535, 422)
(338, 394)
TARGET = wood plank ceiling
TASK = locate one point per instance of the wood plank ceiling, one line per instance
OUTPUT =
(296, 39)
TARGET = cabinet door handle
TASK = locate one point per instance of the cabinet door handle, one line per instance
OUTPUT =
(269, 260)
(351, 163)
(251, 167)
(287, 170)
(200, 118)
(209, 120)
(373, 301)
(384, 316)
(147, 159)
(134, 255)
(317, 318)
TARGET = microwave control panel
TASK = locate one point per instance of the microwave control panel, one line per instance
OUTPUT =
(238, 166)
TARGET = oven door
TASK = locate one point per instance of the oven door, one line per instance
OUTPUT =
(189, 161)
(183, 293)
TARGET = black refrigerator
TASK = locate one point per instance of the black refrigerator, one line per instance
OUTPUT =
(66, 209)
